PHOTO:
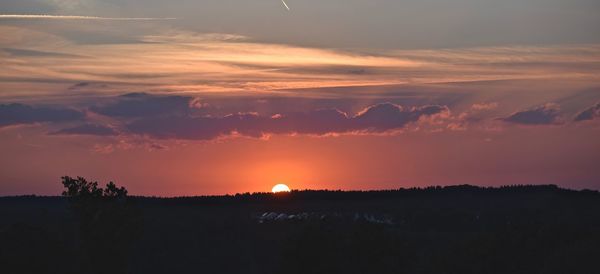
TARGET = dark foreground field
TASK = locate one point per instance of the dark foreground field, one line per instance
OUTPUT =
(462, 229)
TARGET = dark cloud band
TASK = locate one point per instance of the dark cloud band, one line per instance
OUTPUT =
(17, 114)
(87, 129)
(379, 118)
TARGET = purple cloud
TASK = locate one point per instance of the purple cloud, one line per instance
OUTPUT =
(17, 114)
(87, 129)
(547, 114)
(375, 119)
(384, 117)
(143, 105)
(589, 114)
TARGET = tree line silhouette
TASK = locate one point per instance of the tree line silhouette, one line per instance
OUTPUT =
(454, 229)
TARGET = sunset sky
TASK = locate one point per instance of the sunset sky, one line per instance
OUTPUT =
(196, 97)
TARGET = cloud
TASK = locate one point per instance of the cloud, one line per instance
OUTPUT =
(197, 103)
(17, 114)
(87, 85)
(476, 113)
(317, 122)
(384, 117)
(184, 127)
(142, 105)
(37, 53)
(484, 106)
(155, 59)
(127, 143)
(76, 17)
(547, 114)
(87, 129)
(374, 119)
(588, 114)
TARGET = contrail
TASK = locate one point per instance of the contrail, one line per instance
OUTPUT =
(286, 6)
(77, 17)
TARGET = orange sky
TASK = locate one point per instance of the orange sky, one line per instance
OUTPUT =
(347, 162)
(213, 97)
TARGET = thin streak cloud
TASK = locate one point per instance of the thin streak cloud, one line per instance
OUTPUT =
(286, 6)
(78, 17)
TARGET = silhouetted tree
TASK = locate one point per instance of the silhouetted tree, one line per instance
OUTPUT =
(108, 223)
(112, 191)
(80, 188)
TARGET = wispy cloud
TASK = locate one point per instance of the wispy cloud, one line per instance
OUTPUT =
(78, 17)
(285, 4)
(165, 59)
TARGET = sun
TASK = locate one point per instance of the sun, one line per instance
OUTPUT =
(280, 188)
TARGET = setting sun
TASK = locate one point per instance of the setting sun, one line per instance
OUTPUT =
(280, 188)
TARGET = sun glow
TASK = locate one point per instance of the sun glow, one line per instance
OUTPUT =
(280, 188)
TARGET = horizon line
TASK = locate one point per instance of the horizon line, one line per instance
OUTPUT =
(558, 187)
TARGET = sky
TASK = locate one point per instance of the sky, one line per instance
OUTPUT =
(192, 97)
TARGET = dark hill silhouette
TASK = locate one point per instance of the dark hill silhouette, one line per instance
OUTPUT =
(455, 229)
